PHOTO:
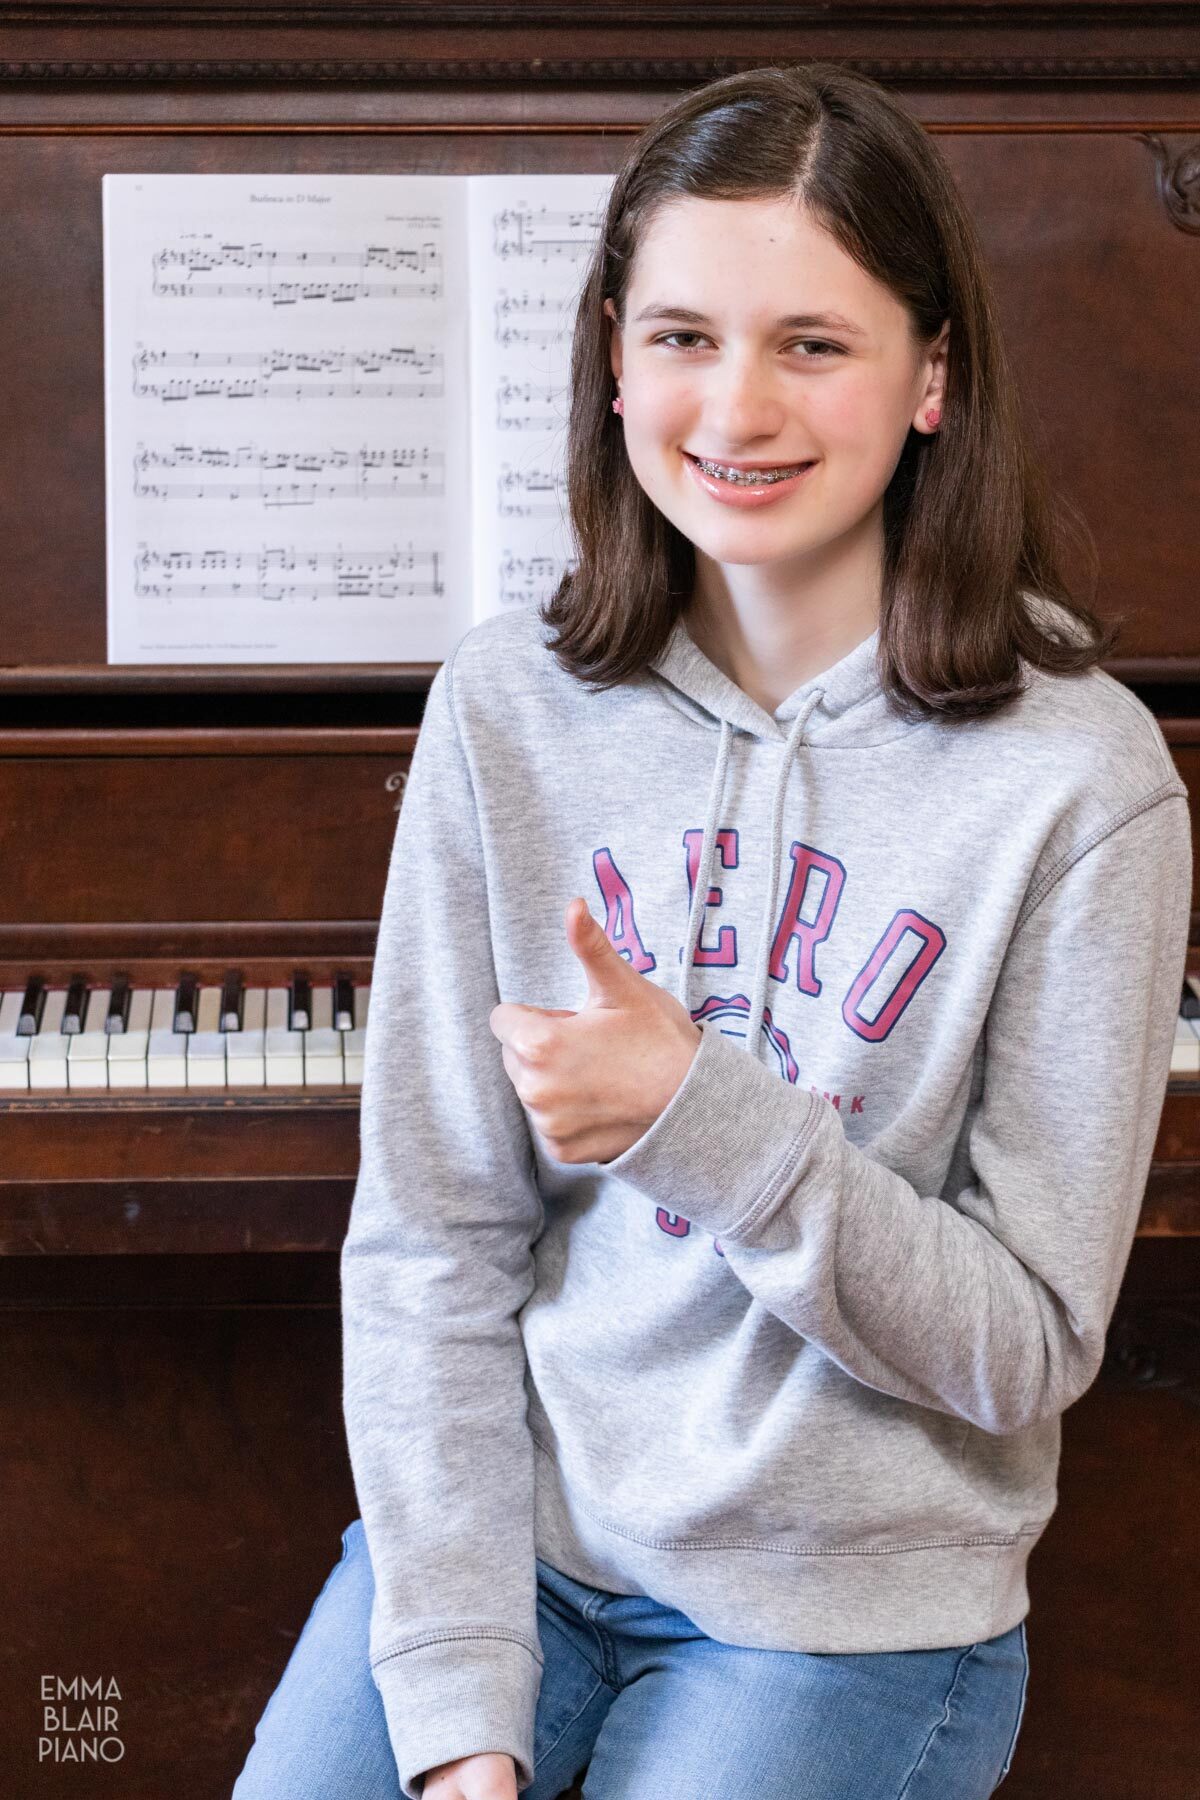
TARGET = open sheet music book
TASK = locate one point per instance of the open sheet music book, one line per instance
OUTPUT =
(335, 409)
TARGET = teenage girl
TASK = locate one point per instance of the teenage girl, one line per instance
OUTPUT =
(770, 1023)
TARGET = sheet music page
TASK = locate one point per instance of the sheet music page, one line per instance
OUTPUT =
(530, 237)
(286, 418)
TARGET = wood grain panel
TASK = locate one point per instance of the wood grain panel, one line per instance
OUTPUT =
(181, 838)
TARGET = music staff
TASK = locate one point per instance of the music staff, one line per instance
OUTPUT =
(357, 575)
(539, 401)
(272, 366)
(544, 234)
(197, 261)
(516, 490)
(424, 474)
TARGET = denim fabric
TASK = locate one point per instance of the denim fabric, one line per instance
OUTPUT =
(634, 1690)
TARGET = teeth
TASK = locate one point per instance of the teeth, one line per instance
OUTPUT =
(748, 477)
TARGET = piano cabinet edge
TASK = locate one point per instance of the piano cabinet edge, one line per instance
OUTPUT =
(274, 1172)
(303, 1214)
(307, 1214)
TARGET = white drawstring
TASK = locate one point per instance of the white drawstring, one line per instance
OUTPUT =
(708, 843)
(758, 998)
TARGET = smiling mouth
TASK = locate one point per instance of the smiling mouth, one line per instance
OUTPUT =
(763, 477)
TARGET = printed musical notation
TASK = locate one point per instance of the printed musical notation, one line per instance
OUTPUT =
(510, 309)
(523, 579)
(287, 375)
(283, 575)
(529, 493)
(247, 321)
(197, 261)
(546, 234)
(531, 238)
(287, 477)
(287, 343)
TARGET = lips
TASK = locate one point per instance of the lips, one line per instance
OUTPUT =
(750, 493)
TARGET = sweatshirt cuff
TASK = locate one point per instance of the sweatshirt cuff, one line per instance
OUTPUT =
(729, 1143)
(459, 1697)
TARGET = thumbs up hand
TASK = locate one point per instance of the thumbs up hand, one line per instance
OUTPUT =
(594, 1081)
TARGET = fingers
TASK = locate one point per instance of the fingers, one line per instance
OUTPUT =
(509, 1018)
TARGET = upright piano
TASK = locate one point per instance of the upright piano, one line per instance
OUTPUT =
(192, 859)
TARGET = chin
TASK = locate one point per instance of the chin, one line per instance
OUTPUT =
(745, 538)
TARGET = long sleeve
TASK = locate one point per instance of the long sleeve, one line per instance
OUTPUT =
(991, 1304)
(435, 1268)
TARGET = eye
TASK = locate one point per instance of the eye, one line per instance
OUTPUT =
(829, 349)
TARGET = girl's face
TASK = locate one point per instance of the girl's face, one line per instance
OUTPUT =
(734, 382)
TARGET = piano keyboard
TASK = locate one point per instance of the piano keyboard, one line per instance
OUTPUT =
(190, 1036)
(1185, 1055)
(235, 1037)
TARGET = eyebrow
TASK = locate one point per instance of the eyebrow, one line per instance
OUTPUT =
(793, 321)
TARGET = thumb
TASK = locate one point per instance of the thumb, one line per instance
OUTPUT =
(606, 970)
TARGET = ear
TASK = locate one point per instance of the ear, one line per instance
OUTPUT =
(614, 339)
(934, 371)
(938, 354)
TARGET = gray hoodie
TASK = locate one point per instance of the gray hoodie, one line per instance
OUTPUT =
(793, 1363)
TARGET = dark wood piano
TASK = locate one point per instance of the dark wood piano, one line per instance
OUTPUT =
(181, 1042)
(193, 858)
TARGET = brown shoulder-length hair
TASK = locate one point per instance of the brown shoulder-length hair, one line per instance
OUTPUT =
(970, 526)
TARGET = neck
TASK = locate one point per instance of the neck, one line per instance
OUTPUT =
(770, 627)
(768, 653)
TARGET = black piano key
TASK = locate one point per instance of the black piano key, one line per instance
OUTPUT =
(343, 1004)
(231, 1003)
(76, 1006)
(32, 1007)
(117, 1017)
(300, 1003)
(187, 1000)
(1189, 1006)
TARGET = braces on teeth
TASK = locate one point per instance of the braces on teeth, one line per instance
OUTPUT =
(748, 478)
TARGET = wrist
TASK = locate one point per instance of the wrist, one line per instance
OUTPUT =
(687, 1044)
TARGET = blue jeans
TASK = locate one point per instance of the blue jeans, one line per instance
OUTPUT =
(657, 1709)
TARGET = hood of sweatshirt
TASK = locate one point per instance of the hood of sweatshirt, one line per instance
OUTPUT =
(845, 704)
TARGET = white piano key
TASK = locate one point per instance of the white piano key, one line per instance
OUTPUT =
(354, 1042)
(1185, 1052)
(245, 1050)
(166, 1061)
(206, 1045)
(14, 1050)
(284, 1048)
(128, 1050)
(87, 1053)
(48, 1050)
(322, 1044)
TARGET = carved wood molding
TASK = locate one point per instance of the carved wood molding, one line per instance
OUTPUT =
(597, 72)
(1153, 1343)
(1178, 175)
(564, 14)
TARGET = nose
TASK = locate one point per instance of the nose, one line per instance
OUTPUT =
(744, 403)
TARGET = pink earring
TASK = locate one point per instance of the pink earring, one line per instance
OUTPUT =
(932, 418)
(618, 406)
